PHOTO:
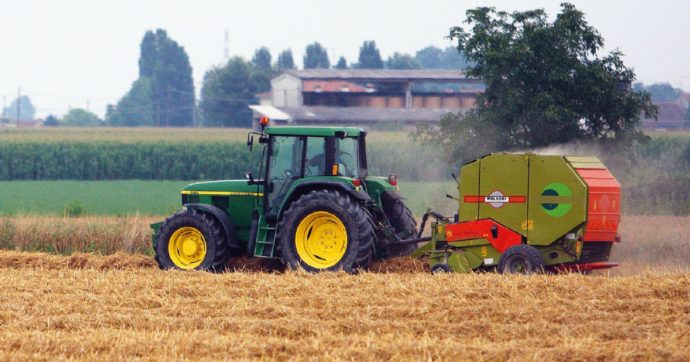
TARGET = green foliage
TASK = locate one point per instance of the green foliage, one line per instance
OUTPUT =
(78, 117)
(432, 57)
(545, 84)
(228, 90)
(163, 95)
(316, 56)
(27, 111)
(262, 60)
(369, 56)
(285, 60)
(136, 108)
(51, 121)
(114, 160)
(402, 61)
(73, 209)
(342, 63)
(660, 92)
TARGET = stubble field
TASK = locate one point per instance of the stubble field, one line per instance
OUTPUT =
(121, 306)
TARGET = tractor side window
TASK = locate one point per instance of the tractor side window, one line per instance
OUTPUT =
(316, 157)
(285, 167)
(346, 156)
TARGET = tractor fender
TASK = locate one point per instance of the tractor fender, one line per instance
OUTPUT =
(222, 218)
(307, 186)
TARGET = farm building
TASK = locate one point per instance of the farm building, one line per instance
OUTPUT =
(673, 115)
(365, 96)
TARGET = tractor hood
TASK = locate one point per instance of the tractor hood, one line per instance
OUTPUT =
(223, 187)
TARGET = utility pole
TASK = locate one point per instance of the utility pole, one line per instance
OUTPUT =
(88, 103)
(167, 109)
(19, 104)
(226, 46)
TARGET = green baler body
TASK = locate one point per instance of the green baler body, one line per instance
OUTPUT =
(561, 205)
(528, 182)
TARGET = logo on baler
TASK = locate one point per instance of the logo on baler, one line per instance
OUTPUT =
(495, 199)
(551, 199)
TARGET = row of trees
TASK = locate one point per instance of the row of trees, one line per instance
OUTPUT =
(316, 56)
(163, 94)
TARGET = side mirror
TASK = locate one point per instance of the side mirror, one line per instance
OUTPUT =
(250, 141)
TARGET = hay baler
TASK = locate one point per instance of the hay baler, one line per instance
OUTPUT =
(522, 213)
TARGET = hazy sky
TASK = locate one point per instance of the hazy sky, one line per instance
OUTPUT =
(69, 52)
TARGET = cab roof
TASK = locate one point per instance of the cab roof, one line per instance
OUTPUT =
(314, 131)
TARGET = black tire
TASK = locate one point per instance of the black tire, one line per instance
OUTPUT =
(361, 238)
(521, 259)
(217, 250)
(440, 268)
(404, 225)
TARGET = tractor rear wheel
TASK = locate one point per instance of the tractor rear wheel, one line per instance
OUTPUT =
(404, 225)
(191, 239)
(326, 230)
(521, 259)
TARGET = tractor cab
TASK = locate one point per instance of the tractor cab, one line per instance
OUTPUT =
(309, 155)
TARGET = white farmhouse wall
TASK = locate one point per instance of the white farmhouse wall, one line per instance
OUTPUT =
(287, 91)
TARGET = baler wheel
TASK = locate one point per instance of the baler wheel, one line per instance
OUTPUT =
(192, 240)
(440, 268)
(326, 230)
(521, 259)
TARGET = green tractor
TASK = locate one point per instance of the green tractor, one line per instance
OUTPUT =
(312, 205)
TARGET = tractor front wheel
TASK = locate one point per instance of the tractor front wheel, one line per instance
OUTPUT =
(191, 239)
(521, 259)
(326, 230)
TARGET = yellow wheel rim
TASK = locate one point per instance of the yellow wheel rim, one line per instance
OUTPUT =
(187, 248)
(321, 240)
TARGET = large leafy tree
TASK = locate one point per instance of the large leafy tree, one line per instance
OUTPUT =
(163, 94)
(341, 64)
(262, 59)
(228, 90)
(26, 109)
(546, 83)
(79, 117)
(402, 61)
(316, 56)
(285, 60)
(660, 92)
(433, 57)
(369, 56)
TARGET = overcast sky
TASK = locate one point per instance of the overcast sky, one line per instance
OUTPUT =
(65, 53)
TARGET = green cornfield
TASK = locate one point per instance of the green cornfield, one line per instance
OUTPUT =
(655, 175)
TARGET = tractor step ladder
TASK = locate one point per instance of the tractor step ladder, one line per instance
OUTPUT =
(265, 240)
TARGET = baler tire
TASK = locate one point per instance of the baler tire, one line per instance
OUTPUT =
(404, 225)
(359, 228)
(217, 250)
(440, 269)
(529, 255)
